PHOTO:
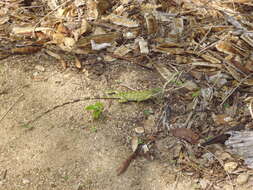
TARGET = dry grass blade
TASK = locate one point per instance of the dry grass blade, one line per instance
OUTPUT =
(234, 89)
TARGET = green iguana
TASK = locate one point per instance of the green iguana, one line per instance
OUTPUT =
(131, 96)
(134, 96)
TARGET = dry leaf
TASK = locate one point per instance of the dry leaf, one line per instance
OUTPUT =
(29, 30)
(164, 72)
(206, 64)
(233, 72)
(190, 85)
(63, 29)
(96, 8)
(186, 134)
(151, 24)
(100, 38)
(122, 21)
(230, 166)
(209, 57)
(58, 38)
(248, 38)
(63, 64)
(4, 19)
(68, 43)
(221, 119)
(85, 28)
(92, 10)
(78, 63)
(122, 50)
(229, 48)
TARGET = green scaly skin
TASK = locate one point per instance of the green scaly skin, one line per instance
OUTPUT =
(135, 96)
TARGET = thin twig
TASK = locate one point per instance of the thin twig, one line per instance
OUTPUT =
(176, 182)
(233, 90)
(178, 74)
(164, 117)
(4, 115)
(105, 25)
(195, 103)
(128, 87)
(5, 174)
(220, 162)
(204, 38)
(212, 44)
(210, 186)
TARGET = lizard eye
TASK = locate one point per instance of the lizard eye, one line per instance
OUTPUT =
(111, 92)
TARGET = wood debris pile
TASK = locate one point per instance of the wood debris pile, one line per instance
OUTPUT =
(210, 36)
(210, 40)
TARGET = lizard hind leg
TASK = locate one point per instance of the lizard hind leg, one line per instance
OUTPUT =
(123, 100)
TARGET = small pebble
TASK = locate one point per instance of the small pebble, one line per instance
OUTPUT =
(53, 185)
(35, 74)
(134, 143)
(242, 179)
(227, 187)
(225, 156)
(145, 148)
(190, 85)
(139, 130)
(25, 181)
(40, 68)
(204, 183)
(230, 166)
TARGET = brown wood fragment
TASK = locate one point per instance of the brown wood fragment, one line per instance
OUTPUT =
(25, 50)
(186, 134)
(223, 137)
(124, 165)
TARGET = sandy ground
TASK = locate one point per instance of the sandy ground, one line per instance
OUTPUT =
(65, 149)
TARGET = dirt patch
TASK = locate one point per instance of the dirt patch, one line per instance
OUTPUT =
(65, 149)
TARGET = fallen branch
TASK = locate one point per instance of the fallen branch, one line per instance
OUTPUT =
(127, 162)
